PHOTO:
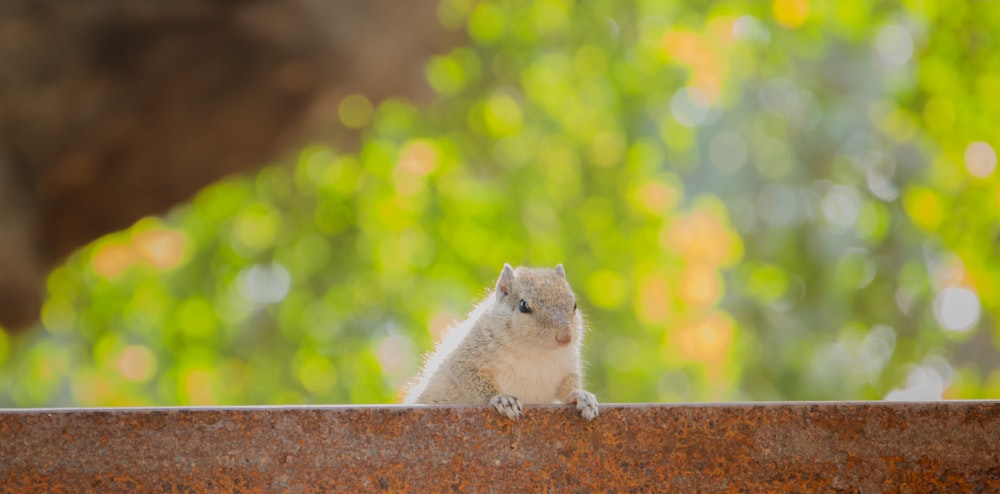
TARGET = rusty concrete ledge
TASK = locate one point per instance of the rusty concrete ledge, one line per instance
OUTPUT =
(791, 447)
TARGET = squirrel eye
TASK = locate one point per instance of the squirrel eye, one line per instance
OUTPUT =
(524, 307)
(574, 306)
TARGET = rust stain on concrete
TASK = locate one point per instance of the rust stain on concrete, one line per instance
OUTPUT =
(790, 447)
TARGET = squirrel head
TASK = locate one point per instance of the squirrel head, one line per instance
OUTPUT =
(540, 305)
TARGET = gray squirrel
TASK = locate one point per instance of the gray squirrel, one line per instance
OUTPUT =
(521, 344)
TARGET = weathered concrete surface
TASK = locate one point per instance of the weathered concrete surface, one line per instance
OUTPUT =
(851, 447)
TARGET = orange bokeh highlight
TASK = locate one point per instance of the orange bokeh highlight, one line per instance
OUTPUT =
(698, 237)
(136, 363)
(417, 160)
(706, 55)
(198, 386)
(112, 259)
(700, 286)
(707, 341)
(686, 47)
(652, 302)
(92, 389)
(656, 197)
(160, 249)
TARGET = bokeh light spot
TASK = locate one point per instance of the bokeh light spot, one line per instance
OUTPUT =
(684, 46)
(162, 249)
(699, 237)
(487, 23)
(706, 341)
(855, 268)
(768, 282)
(607, 148)
(790, 13)
(700, 285)
(841, 206)
(256, 228)
(606, 289)
(446, 75)
(655, 198)
(417, 160)
(689, 106)
(112, 259)
(265, 283)
(980, 159)
(651, 305)
(939, 113)
(394, 353)
(137, 363)
(924, 383)
(355, 111)
(195, 317)
(749, 28)
(728, 152)
(924, 207)
(197, 386)
(957, 308)
(317, 374)
(894, 45)
(502, 115)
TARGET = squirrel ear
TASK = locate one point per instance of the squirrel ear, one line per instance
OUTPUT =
(506, 279)
(560, 271)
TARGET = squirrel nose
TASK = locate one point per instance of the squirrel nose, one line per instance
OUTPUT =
(564, 338)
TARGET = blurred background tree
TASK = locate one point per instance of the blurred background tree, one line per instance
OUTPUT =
(776, 200)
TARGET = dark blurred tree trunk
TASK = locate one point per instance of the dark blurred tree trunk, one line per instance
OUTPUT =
(115, 109)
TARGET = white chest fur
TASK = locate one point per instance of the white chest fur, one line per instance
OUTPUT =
(533, 376)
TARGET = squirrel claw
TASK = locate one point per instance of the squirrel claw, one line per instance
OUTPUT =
(507, 405)
(586, 404)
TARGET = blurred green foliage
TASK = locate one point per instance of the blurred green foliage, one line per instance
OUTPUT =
(755, 201)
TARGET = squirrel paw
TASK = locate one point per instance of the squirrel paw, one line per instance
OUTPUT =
(507, 405)
(586, 403)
